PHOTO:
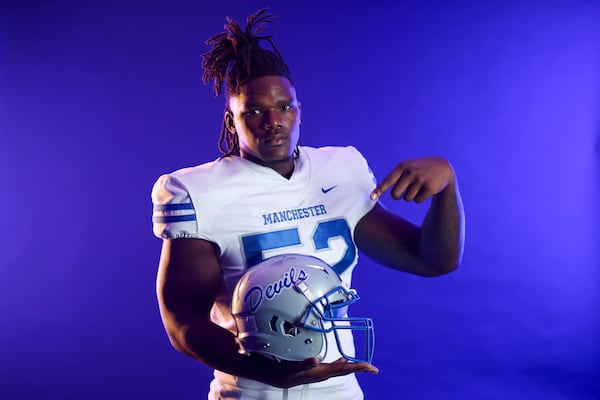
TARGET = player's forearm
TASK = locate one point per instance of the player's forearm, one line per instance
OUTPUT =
(216, 348)
(442, 233)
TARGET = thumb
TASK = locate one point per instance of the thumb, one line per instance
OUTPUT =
(311, 362)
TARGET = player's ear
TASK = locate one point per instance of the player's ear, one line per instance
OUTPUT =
(228, 118)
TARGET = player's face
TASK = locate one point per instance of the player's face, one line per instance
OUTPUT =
(266, 117)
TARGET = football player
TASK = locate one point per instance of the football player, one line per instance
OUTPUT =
(266, 196)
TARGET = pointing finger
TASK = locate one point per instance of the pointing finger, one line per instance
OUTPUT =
(390, 180)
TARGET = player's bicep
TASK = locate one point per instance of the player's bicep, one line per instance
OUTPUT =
(390, 240)
(189, 276)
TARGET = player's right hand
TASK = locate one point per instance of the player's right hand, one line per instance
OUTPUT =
(312, 370)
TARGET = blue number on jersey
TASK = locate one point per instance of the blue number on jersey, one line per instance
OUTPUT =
(255, 245)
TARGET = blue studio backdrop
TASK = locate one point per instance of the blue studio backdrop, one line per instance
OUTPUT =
(99, 98)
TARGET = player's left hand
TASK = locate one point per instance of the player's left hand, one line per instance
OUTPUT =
(417, 180)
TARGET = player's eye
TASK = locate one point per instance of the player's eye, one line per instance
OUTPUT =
(253, 112)
(285, 107)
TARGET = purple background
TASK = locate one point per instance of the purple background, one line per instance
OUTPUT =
(99, 98)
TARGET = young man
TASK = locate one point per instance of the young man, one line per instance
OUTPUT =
(266, 195)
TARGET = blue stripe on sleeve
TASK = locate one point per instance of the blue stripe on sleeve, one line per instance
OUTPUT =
(174, 218)
(173, 207)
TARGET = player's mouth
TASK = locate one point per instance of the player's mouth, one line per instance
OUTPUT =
(276, 140)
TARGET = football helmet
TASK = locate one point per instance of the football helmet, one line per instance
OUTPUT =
(284, 306)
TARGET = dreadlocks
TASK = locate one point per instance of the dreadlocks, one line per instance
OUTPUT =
(236, 57)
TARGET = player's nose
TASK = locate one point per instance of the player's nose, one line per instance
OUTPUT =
(272, 120)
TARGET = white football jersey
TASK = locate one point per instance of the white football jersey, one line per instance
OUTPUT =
(251, 213)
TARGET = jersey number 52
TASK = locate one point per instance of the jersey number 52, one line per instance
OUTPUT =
(255, 245)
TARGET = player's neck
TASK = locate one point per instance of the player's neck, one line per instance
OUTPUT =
(283, 167)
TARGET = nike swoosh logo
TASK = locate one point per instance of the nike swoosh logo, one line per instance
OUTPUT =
(328, 189)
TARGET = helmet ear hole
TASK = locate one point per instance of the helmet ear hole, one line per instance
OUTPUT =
(286, 328)
(290, 329)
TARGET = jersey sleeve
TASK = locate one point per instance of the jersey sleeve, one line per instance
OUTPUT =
(371, 181)
(173, 213)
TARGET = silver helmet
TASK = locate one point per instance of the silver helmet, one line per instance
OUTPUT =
(284, 306)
